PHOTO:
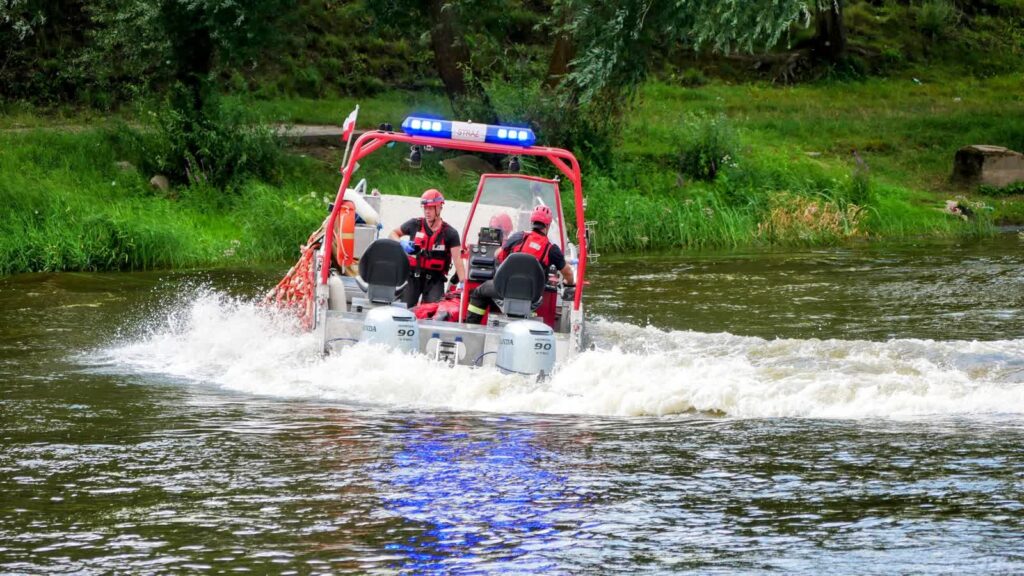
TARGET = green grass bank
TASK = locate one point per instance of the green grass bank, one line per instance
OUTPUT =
(814, 164)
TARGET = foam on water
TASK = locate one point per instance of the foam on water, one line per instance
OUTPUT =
(239, 346)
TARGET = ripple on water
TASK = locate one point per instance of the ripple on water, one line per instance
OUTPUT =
(215, 443)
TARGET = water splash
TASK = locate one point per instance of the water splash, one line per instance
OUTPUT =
(236, 345)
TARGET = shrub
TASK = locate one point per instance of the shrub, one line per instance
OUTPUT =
(221, 147)
(705, 145)
(936, 17)
(589, 135)
(308, 81)
(893, 56)
(692, 78)
(1008, 190)
(858, 189)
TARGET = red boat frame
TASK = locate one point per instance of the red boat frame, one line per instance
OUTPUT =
(371, 141)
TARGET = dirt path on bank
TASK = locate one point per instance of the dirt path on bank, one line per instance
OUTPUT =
(295, 134)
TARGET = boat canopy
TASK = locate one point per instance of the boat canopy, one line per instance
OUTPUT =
(515, 196)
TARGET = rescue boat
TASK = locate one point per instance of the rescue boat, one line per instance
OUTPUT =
(347, 283)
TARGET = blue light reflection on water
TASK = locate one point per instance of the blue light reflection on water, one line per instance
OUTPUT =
(485, 503)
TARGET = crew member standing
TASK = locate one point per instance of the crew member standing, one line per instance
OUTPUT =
(536, 244)
(432, 246)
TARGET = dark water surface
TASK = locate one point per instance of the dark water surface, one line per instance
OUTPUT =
(850, 411)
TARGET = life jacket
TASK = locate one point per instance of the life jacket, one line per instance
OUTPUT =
(535, 244)
(433, 255)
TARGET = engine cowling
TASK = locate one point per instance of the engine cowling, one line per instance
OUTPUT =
(526, 347)
(392, 326)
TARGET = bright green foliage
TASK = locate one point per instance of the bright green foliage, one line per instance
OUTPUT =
(616, 39)
(71, 208)
(630, 221)
(1016, 188)
(819, 162)
(616, 43)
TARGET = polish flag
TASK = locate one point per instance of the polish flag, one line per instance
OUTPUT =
(350, 125)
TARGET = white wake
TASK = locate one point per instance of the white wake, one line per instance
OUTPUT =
(236, 345)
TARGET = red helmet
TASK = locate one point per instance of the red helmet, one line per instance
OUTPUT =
(541, 214)
(502, 221)
(432, 198)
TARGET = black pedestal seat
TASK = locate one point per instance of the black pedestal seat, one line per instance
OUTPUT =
(519, 283)
(383, 271)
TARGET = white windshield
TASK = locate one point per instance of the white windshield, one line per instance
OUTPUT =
(514, 197)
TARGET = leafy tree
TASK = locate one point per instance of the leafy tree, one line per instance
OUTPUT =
(448, 41)
(603, 51)
(600, 51)
(181, 41)
(37, 39)
(178, 45)
(614, 42)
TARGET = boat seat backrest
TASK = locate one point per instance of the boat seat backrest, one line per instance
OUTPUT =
(383, 271)
(519, 283)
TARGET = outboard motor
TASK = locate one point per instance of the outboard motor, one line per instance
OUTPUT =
(392, 326)
(526, 346)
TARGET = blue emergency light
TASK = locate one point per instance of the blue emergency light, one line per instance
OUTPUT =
(468, 131)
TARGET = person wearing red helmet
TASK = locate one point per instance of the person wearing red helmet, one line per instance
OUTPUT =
(536, 244)
(433, 246)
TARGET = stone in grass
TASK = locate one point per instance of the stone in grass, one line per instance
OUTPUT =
(160, 182)
(989, 165)
(466, 164)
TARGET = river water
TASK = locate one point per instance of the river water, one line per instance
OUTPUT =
(852, 410)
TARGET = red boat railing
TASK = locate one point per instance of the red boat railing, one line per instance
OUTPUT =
(566, 163)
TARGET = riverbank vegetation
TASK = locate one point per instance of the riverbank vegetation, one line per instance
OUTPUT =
(72, 203)
(709, 149)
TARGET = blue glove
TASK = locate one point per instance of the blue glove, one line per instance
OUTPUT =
(459, 286)
(407, 245)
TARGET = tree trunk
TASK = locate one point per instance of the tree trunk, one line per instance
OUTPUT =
(451, 57)
(192, 53)
(561, 55)
(830, 39)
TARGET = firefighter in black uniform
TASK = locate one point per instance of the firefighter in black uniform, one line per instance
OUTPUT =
(432, 247)
(536, 244)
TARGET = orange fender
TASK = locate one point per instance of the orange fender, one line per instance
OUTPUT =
(345, 235)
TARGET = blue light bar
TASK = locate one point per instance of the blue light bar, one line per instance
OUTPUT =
(468, 131)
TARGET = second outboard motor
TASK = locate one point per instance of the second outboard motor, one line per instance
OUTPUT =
(392, 326)
(526, 347)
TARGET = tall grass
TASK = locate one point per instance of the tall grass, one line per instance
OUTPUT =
(814, 164)
(635, 222)
(69, 207)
